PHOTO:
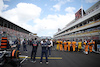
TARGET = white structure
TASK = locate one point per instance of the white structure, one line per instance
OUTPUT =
(85, 27)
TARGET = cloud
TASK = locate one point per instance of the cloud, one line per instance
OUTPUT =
(57, 7)
(70, 9)
(5, 7)
(45, 5)
(91, 1)
(2, 6)
(22, 13)
(50, 24)
(59, 4)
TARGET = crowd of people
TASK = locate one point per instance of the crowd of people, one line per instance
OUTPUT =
(47, 44)
(80, 46)
(13, 34)
(15, 37)
(61, 45)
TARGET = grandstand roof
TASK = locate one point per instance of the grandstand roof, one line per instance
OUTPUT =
(7, 21)
(92, 7)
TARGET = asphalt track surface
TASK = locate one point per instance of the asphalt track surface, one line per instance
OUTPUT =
(62, 59)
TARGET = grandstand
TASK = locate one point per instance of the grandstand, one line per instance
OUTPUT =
(86, 25)
(14, 31)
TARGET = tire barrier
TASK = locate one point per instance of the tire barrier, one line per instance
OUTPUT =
(4, 43)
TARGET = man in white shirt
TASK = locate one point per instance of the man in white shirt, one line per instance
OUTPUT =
(42, 41)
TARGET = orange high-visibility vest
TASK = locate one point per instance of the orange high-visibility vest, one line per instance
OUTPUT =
(86, 47)
(69, 44)
(65, 46)
(79, 45)
(93, 42)
(58, 43)
(74, 45)
(90, 46)
(61, 47)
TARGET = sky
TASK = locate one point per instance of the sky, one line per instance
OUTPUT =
(43, 17)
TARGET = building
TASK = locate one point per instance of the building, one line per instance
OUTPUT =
(86, 25)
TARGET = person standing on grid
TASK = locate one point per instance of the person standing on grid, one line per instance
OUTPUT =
(34, 50)
(44, 51)
(50, 44)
